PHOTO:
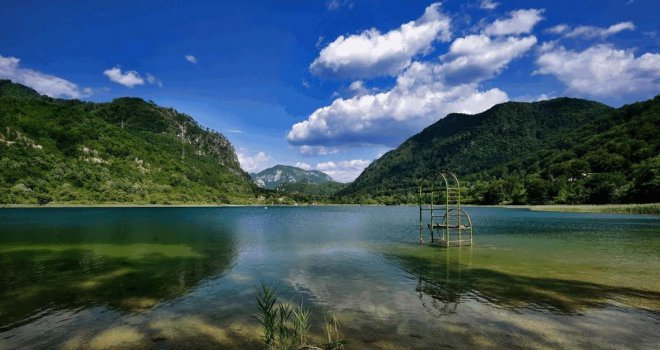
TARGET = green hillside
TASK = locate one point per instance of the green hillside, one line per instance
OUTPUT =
(126, 151)
(306, 191)
(557, 151)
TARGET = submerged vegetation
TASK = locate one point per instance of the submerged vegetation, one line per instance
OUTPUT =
(286, 327)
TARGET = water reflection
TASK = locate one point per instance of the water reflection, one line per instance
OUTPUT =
(448, 277)
(185, 277)
(127, 261)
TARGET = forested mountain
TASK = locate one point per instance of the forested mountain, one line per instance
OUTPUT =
(557, 151)
(127, 150)
(133, 151)
(273, 177)
(308, 192)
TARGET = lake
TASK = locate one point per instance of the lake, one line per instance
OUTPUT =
(99, 278)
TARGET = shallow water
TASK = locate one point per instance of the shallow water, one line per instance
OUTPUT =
(185, 277)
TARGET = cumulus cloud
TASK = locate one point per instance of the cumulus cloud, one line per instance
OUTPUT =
(489, 4)
(602, 71)
(478, 57)
(343, 171)
(372, 53)
(518, 22)
(423, 93)
(128, 79)
(190, 58)
(253, 162)
(303, 166)
(590, 32)
(45, 84)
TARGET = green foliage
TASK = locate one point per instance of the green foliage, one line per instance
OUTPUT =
(301, 324)
(124, 151)
(563, 151)
(267, 312)
(310, 192)
(287, 327)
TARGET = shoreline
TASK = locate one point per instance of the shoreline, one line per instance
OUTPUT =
(644, 209)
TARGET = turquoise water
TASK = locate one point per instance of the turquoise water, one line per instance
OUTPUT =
(185, 277)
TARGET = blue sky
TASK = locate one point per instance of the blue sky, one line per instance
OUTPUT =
(331, 84)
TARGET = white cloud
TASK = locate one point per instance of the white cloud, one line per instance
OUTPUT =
(423, 93)
(343, 171)
(253, 163)
(591, 32)
(518, 22)
(558, 29)
(489, 4)
(359, 88)
(478, 57)
(602, 71)
(303, 166)
(152, 80)
(45, 84)
(337, 4)
(190, 58)
(128, 79)
(371, 53)
(317, 150)
(387, 118)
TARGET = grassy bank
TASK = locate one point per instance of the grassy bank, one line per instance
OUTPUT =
(650, 208)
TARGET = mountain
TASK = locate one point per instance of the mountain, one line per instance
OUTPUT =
(563, 150)
(128, 151)
(273, 177)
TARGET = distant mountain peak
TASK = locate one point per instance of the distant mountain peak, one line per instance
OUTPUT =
(279, 174)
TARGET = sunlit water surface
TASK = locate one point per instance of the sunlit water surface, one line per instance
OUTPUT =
(100, 278)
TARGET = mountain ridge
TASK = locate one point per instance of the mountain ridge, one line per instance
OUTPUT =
(507, 154)
(273, 177)
(125, 150)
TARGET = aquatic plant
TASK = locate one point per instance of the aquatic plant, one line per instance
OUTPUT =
(286, 327)
(285, 333)
(331, 328)
(267, 312)
(301, 324)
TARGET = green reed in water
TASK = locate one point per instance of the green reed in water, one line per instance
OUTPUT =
(287, 327)
(331, 327)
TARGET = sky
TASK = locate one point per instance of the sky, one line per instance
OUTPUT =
(331, 84)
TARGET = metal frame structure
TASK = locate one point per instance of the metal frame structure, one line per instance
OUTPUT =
(448, 219)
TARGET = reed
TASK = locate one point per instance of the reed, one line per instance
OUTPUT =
(331, 328)
(301, 324)
(286, 327)
(267, 312)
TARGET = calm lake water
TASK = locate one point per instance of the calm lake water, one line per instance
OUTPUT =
(99, 278)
